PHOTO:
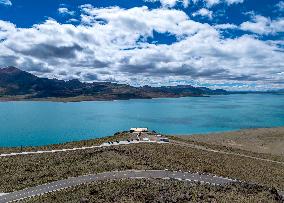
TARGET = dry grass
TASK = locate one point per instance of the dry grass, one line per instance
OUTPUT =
(263, 140)
(25, 171)
(138, 191)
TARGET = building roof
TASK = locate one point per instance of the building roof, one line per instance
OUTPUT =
(139, 129)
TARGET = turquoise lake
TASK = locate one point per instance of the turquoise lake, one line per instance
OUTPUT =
(41, 123)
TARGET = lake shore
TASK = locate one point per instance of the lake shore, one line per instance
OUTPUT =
(259, 140)
(84, 98)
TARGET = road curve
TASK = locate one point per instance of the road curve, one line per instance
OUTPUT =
(134, 174)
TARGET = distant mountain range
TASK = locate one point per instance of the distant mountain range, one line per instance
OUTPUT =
(16, 84)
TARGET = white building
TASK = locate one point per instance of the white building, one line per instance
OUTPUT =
(138, 130)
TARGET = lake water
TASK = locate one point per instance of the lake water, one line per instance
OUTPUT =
(40, 123)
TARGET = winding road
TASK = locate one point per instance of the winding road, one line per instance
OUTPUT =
(158, 174)
(134, 174)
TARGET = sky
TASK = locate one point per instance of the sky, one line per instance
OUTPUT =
(229, 44)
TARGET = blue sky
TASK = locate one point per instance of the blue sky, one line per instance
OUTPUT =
(233, 44)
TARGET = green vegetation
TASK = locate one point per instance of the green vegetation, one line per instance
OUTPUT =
(130, 190)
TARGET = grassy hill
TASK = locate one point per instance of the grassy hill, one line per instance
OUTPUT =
(25, 171)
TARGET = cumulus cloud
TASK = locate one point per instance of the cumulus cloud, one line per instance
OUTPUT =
(65, 11)
(111, 44)
(263, 25)
(44, 51)
(204, 13)
(6, 2)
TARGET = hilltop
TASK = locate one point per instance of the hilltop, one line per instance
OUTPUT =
(16, 84)
(180, 154)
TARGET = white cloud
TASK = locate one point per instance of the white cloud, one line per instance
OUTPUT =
(4, 25)
(280, 6)
(65, 11)
(212, 2)
(226, 26)
(6, 2)
(111, 45)
(263, 25)
(185, 3)
(72, 20)
(203, 12)
(5, 28)
(234, 1)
